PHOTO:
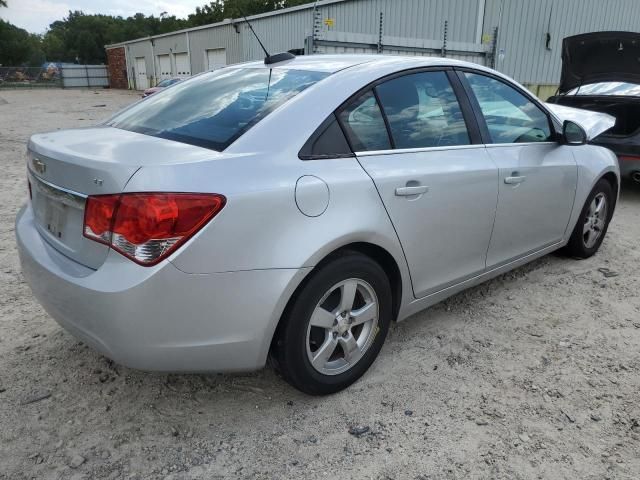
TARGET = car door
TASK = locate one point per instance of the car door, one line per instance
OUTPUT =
(538, 176)
(416, 139)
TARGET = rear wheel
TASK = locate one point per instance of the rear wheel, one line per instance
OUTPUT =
(335, 327)
(593, 222)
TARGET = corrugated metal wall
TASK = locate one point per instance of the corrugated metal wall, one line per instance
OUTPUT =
(423, 19)
(138, 49)
(416, 24)
(409, 27)
(279, 33)
(524, 25)
(170, 44)
(91, 76)
(224, 36)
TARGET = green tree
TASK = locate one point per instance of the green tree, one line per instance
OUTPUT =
(53, 47)
(3, 3)
(211, 13)
(19, 47)
(218, 10)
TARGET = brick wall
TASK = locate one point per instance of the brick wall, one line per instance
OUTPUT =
(117, 64)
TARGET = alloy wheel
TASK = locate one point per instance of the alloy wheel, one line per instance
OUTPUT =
(595, 221)
(342, 326)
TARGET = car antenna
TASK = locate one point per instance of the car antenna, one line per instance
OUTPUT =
(268, 59)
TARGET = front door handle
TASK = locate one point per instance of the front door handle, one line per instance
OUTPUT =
(409, 191)
(515, 180)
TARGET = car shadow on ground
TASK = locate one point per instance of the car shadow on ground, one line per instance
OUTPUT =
(91, 368)
(630, 192)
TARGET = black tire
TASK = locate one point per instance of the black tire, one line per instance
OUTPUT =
(578, 246)
(289, 353)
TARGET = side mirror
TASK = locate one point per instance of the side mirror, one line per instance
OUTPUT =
(573, 134)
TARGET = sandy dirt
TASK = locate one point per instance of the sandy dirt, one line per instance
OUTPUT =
(533, 375)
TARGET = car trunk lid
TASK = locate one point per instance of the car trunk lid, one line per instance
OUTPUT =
(600, 57)
(65, 167)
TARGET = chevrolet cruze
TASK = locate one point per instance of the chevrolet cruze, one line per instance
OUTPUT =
(293, 210)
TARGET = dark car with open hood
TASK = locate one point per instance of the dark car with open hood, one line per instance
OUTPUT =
(601, 72)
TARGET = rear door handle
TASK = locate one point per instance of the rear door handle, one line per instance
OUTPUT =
(514, 180)
(409, 191)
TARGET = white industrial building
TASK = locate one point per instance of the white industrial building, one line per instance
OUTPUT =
(521, 38)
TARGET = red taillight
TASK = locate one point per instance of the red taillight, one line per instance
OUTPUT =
(148, 227)
(98, 217)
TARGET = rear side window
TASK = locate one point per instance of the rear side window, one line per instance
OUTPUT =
(423, 111)
(212, 110)
(510, 116)
(328, 141)
(364, 124)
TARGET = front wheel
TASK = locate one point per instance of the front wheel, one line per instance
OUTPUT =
(335, 327)
(593, 222)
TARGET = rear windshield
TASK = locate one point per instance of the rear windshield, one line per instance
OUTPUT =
(214, 109)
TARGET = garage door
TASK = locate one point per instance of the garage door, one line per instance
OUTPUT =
(216, 58)
(141, 74)
(164, 66)
(182, 65)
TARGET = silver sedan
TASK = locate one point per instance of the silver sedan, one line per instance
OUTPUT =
(292, 211)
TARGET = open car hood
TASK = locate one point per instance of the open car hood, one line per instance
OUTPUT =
(600, 57)
(593, 123)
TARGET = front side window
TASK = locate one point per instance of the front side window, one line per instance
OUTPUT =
(364, 124)
(423, 111)
(510, 116)
(213, 109)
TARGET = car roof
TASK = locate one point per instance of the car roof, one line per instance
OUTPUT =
(335, 63)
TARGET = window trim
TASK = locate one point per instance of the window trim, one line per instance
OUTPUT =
(469, 116)
(387, 125)
(471, 112)
(475, 104)
(471, 119)
(346, 129)
(369, 153)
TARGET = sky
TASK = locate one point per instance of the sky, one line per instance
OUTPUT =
(36, 15)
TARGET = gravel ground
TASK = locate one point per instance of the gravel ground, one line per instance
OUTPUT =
(535, 374)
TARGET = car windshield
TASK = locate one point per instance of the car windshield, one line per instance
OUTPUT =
(608, 88)
(214, 109)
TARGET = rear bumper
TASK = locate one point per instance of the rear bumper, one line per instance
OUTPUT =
(627, 149)
(157, 318)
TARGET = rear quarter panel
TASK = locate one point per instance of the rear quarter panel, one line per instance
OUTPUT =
(261, 226)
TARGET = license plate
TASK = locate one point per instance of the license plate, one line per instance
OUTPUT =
(52, 216)
(55, 219)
